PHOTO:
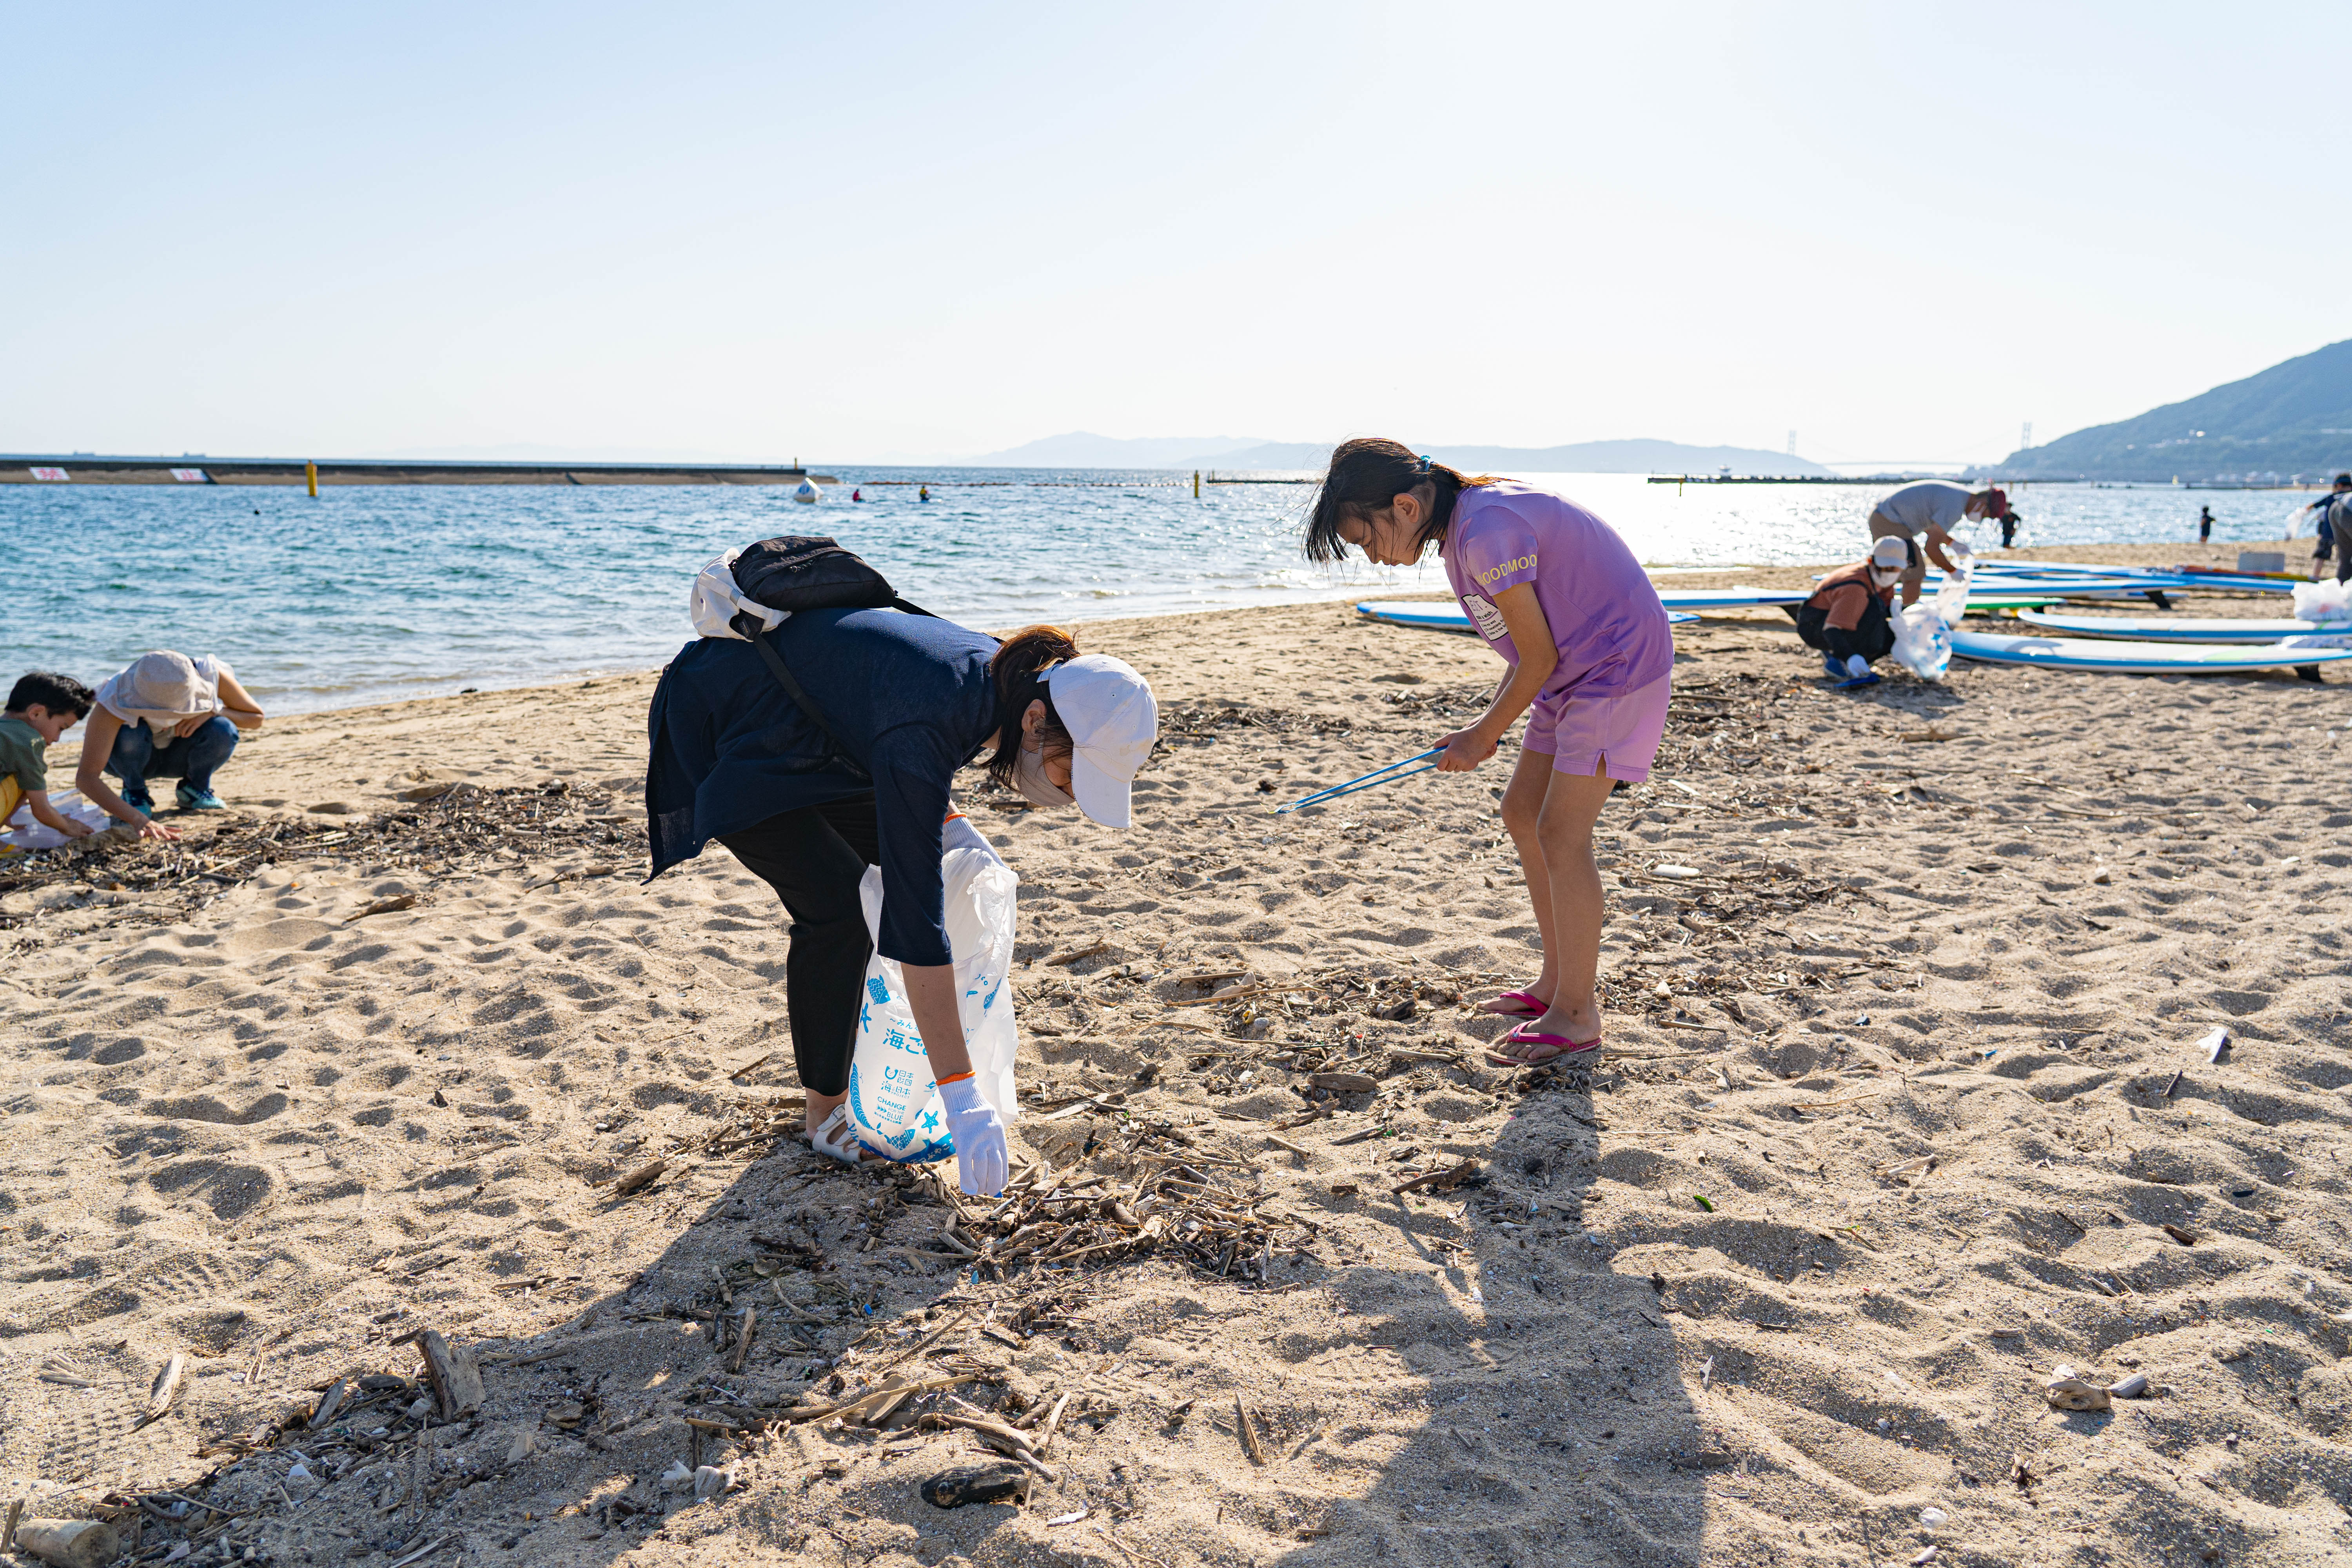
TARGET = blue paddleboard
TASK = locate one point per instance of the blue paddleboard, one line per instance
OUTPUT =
(2136, 657)
(2152, 628)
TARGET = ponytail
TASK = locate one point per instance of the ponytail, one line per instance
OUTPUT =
(1018, 662)
(1366, 476)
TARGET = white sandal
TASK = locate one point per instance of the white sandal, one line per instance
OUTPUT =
(833, 1137)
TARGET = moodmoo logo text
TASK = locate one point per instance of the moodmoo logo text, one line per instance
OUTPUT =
(1488, 578)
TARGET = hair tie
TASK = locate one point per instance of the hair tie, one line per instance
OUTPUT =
(1424, 465)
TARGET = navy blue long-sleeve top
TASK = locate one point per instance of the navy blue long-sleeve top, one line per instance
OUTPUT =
(910, 697)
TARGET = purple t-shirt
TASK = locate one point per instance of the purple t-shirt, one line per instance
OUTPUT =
(1612, 633)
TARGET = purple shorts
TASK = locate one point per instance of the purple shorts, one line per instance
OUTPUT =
(1588, 735)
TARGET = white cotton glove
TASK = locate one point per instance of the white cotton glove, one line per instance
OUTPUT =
(979, 1134)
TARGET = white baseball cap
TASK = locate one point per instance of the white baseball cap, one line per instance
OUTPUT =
(1107, 708)
(1891, 553)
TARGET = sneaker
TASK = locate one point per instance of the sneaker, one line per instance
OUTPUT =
(1832, 667)
(194, 799)
(145, 805)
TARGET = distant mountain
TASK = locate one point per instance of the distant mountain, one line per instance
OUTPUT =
(1080, 451)
(1267, 456)
(1633, 456)
(2293, 418)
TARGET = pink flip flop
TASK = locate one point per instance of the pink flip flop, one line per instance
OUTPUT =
(1520, 1006)
(1555, 1046)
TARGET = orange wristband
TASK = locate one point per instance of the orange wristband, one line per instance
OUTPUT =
(953, 1078)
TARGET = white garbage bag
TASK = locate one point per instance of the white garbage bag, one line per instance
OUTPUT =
(1923, 633)
(21, 832)
(894, 1102)
(2323, 601)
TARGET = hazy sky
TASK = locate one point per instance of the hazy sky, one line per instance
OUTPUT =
(843, 232)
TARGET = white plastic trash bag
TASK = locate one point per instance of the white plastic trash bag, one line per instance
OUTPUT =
(1923, 633)
(2323, 601)
(21, 832)
(894, 1103)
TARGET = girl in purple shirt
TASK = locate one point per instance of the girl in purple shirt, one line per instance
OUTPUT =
(1555, 592)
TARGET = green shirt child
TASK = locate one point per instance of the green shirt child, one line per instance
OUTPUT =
(41, 707)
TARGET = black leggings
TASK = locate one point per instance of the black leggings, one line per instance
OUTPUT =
(814, 859)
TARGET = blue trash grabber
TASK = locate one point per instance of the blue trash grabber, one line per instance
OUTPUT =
(1372, 779)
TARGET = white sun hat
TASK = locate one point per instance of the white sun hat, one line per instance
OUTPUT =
(1107, 706)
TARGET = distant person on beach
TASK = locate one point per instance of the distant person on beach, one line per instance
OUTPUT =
(167, 715)
(2329, 512)
(1850, 616)
(2204, 525)
(909, 699)
(41, 708)
(2336, 521)
(1926, 513)
(1552, 589)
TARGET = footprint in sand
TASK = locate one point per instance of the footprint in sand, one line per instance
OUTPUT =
(276, 936)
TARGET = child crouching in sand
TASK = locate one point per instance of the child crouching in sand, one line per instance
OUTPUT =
(1555, 592)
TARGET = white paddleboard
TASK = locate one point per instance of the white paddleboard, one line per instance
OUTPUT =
(2149, 628)
(2136, 658)
(1439, 616)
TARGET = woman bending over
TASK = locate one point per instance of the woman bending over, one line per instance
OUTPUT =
(1555, 592)
(909, 699)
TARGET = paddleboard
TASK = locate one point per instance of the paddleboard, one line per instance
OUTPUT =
(1438, 615)
(2136, 658)
(2134, 581)
(2011, 601)
(2059, 587)
(1729, 598)
(2152, 629)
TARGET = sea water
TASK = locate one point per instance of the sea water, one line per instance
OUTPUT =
(370, 593)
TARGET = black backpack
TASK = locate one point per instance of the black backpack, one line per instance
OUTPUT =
(800, 572)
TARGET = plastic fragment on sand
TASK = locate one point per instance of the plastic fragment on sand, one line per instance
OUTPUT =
(2214, 1044)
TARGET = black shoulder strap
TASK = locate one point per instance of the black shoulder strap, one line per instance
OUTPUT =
(776, 667)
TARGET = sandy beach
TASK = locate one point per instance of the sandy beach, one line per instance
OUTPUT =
(1906, 1110)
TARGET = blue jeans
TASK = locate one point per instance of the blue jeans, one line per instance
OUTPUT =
(191, 758)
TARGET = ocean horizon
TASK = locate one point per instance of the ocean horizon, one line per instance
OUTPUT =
(372, 594)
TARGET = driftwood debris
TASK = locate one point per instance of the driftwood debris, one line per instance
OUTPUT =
(645, 1175)
(1245, 1429)
(746, 1326)
(164, 1389)
(69, 1543)
(329, 1402)
(1439, 1181)
(1344, 1082)
(385, 907)
(453, 1373)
